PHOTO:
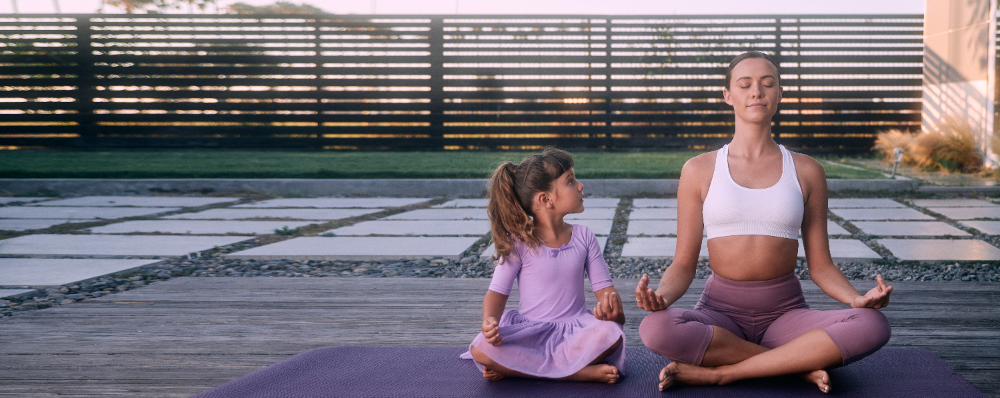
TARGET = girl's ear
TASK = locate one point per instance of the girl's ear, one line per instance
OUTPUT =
(542, 200)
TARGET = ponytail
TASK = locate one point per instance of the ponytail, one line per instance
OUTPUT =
(512, 189)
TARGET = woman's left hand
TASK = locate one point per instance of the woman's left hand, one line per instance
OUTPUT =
(610, 308)
(876, 298)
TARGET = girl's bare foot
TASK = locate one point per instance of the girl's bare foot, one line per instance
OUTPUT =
(682, 373)
(492, 375)
(601, 373)
(818, 377)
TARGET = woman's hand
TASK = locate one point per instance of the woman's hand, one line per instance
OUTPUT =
(648, 299)
(491, 331)
(876, 298)
(609, 308)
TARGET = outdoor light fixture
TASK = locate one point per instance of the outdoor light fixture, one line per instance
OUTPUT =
(897, 157)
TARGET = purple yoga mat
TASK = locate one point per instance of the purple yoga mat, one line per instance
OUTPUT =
(438, 372)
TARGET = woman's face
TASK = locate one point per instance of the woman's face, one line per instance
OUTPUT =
(753, 91)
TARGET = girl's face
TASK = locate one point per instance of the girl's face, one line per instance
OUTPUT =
(753, 91)
(567, 193)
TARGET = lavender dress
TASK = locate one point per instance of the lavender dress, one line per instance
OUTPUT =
(553, 334)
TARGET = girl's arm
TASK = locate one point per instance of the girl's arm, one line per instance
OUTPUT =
(493, 306)
(609, 305)
(822, 270)
(695, 176)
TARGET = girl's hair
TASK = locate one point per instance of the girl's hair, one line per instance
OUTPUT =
(749, 54)
(512, 189)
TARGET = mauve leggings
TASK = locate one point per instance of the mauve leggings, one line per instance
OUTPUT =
(769, 313)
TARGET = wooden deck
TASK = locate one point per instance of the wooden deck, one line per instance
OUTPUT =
(181, 337)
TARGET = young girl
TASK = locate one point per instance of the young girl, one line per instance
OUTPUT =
(552, 335)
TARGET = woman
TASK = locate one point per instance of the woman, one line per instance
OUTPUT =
(752, 197)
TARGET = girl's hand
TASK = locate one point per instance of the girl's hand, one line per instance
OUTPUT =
(647, 298)
(491, 330)
(610, 308)
(876, 298)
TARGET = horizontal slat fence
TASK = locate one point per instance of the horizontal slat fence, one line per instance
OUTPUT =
(444, 82)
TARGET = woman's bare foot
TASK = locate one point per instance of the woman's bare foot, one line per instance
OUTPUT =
(492, 375)
(682, 373)
(818, 377)
(601, 373)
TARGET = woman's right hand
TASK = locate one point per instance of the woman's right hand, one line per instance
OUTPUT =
(648, 299)
(491, 331)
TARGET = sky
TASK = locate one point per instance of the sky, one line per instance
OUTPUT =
(561, 7)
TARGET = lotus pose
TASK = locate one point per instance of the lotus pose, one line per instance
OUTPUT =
(552, 335)
(752, 197)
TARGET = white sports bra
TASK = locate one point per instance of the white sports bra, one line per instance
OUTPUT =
(731, 209)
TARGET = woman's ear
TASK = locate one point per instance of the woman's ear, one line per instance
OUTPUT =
(727, 96)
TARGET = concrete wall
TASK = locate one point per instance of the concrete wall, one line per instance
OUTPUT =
(959, 66)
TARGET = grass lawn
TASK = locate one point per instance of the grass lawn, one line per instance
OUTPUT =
(244, 164)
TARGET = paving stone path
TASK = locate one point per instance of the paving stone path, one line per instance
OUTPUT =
(53, 243)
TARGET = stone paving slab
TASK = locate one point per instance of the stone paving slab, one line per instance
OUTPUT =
(112, 245)
(602, 241)
(359, 248)
(136, 201)
(654, 203)
(863, 203)
(24, 224)
(592, 213)
(832, 228)
(846, 250)
(80, 213)
(415, 227)
(953, 203)
(462, 203)
(601, 202)
(941, 249)
(442, 214)
(651, 227)
(881, 214)
(657, 248)
(967, 213)
(842, 250)
(334, 203)
(669, 227)
(986, 227)
(14, 292)
(199, 227)
(653, 214)
(598, 227)
(11, 199)
(58, 271)
(296, 214)
(908, 228)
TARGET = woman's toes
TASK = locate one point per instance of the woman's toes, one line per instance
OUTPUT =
(668, 375)
(820, 378)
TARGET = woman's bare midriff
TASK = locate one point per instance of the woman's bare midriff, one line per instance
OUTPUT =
(752, 257)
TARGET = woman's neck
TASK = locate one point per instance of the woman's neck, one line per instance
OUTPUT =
(752, 140)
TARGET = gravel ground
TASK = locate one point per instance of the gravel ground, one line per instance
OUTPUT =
(471, 265)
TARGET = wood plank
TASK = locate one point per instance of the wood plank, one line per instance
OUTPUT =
(180, 337)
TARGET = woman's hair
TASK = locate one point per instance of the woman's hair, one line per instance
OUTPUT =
(512, 189)
(749, 54)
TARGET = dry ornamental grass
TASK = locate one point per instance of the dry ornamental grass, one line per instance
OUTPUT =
(952, 147)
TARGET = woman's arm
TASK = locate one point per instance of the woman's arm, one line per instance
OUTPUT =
(822, 270)
(695, 178)
(493, 305)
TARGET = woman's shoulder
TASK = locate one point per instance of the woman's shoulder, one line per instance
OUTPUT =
(582, 232)
(807, 167)
(704, 163)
